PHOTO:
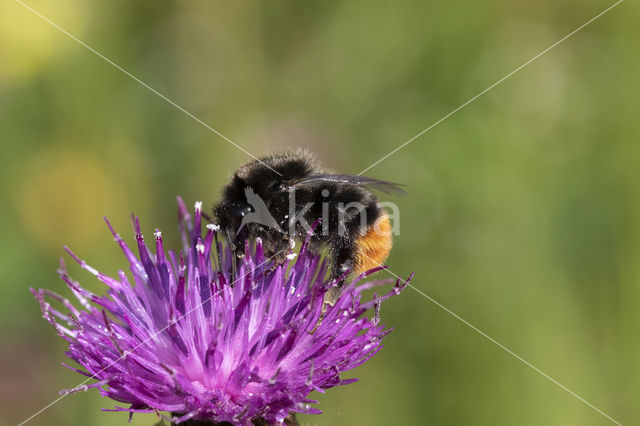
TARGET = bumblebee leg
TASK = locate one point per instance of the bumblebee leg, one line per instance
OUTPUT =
(218, 251)
(276, 250)
(277, 262)
(342, 265)
(234, 257)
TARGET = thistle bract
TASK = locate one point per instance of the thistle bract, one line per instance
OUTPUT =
(184, 332)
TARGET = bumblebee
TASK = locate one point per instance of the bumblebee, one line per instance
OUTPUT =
(278, 198)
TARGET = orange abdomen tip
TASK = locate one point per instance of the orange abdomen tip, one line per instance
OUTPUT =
(374, 246)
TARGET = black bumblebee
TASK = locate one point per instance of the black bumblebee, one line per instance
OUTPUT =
(279, 197)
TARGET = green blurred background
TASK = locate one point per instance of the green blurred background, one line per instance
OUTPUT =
(523, 215)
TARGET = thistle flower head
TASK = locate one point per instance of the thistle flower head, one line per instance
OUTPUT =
(181, 332)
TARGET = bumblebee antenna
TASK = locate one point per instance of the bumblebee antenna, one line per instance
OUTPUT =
(233, 259)
(216, 228)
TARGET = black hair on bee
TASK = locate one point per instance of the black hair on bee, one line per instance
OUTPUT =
(278, 197)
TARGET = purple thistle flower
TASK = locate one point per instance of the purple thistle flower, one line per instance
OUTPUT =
(182, 337)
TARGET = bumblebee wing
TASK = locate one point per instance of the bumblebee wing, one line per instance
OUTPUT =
(376, 184)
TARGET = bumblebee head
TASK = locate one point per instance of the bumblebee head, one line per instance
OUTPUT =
(269, 179)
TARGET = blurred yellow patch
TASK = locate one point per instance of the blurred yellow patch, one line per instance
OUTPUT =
(63, 195)
(27, 42)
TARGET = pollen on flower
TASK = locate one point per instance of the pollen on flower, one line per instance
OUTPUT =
(213, 227)
(207, 340)
(157, 234)
(198, 206)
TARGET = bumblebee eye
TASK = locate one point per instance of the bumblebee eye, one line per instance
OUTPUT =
(274, 185)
